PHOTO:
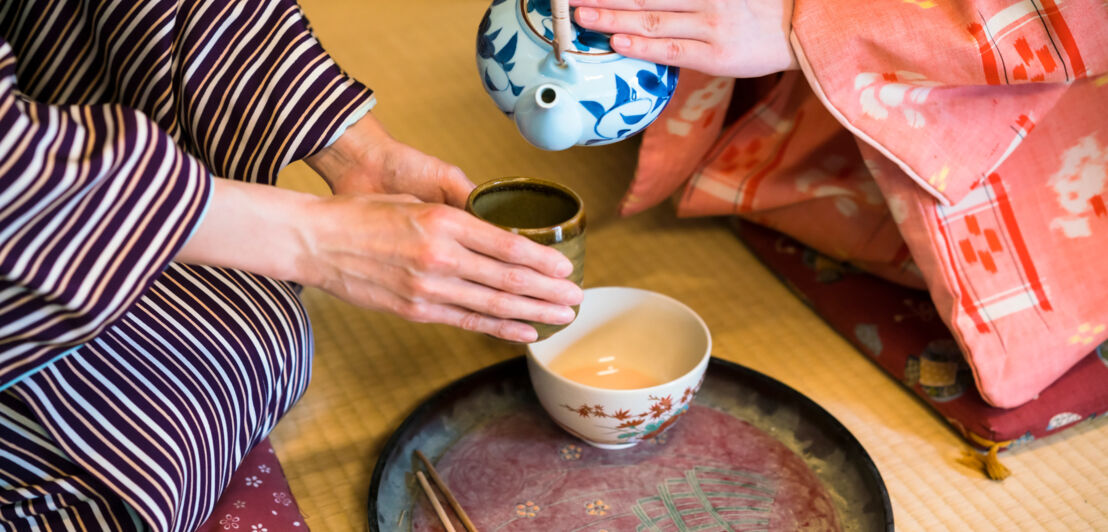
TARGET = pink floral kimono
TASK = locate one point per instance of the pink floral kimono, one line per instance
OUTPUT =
(956, 146)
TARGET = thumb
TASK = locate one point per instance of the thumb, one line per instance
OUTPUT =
(455, 186)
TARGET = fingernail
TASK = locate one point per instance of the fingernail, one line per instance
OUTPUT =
(566, 315)
(621, 41)
(529, 335)
(579, 295)
(563, 269)
(586, 14)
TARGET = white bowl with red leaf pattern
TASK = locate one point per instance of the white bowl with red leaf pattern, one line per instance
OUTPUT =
(631, 337)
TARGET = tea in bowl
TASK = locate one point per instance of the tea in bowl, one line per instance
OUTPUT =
(625, 370)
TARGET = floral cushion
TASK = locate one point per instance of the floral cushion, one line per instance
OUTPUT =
(258, 498)
(899, 329)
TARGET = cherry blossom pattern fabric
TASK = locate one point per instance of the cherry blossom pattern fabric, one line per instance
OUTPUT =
(960, 147)
(258, 498)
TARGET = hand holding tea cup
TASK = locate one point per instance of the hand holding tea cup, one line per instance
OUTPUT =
(545, 212)
(365, 159)
(393, 238)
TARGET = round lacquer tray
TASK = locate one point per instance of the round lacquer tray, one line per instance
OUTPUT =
(749, 454)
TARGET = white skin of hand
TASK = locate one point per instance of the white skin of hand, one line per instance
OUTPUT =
(734, 38)
(395, 238)
(367, 160)
(392, 239)
(430, 262)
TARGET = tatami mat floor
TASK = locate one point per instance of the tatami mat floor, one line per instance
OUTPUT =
(371, 370)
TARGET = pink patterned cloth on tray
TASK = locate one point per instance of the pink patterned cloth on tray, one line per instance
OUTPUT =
(961, 147)
(711, 471)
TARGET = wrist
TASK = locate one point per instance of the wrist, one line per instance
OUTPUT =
(332, 163)
(256, 228)
(295, 239)
(342, 159)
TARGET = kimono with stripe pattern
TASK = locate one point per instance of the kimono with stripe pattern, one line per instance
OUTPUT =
(132, 385)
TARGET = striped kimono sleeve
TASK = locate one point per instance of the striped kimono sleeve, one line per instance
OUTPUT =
(257, 90)
(246, 87)
(94, 203)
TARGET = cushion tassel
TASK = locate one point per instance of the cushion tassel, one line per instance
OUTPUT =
(987, 462)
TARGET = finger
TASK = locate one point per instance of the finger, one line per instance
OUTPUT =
(425, 312)
(518, 280)
(495, 303)
(644, 23)
(387, 198)
(685, 53)
(455, 187)
(510, 330)
(427, 177)
(640, 5)
(447, 288)
(487, 239)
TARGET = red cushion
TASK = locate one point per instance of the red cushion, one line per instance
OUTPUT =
(258, 499)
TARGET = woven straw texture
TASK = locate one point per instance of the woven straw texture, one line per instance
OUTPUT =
(371, 370)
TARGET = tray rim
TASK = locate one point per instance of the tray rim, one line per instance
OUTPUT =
(837, 429)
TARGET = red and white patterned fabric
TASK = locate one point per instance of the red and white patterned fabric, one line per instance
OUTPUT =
(961, 147)
(899, 329)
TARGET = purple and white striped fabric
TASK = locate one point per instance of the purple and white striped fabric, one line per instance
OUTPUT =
(125, 377)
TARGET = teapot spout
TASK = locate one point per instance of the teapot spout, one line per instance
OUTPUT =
(547, 116)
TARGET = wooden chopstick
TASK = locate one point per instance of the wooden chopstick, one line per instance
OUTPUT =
(435, 502)
(446, 491)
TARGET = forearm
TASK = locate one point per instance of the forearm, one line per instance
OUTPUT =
(391, 239)
(256, 228)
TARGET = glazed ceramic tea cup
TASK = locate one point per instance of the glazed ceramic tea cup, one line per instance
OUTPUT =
(543, 211)
(625, 370)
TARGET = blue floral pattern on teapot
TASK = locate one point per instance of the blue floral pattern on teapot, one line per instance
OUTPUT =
(595, 97)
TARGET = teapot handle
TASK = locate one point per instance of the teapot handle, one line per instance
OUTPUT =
(563, 32)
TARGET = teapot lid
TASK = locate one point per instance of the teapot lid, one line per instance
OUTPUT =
(538, 16)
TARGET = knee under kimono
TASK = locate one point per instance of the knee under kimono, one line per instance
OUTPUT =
(146, 422)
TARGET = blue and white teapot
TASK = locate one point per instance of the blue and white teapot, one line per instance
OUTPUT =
(563, 84)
